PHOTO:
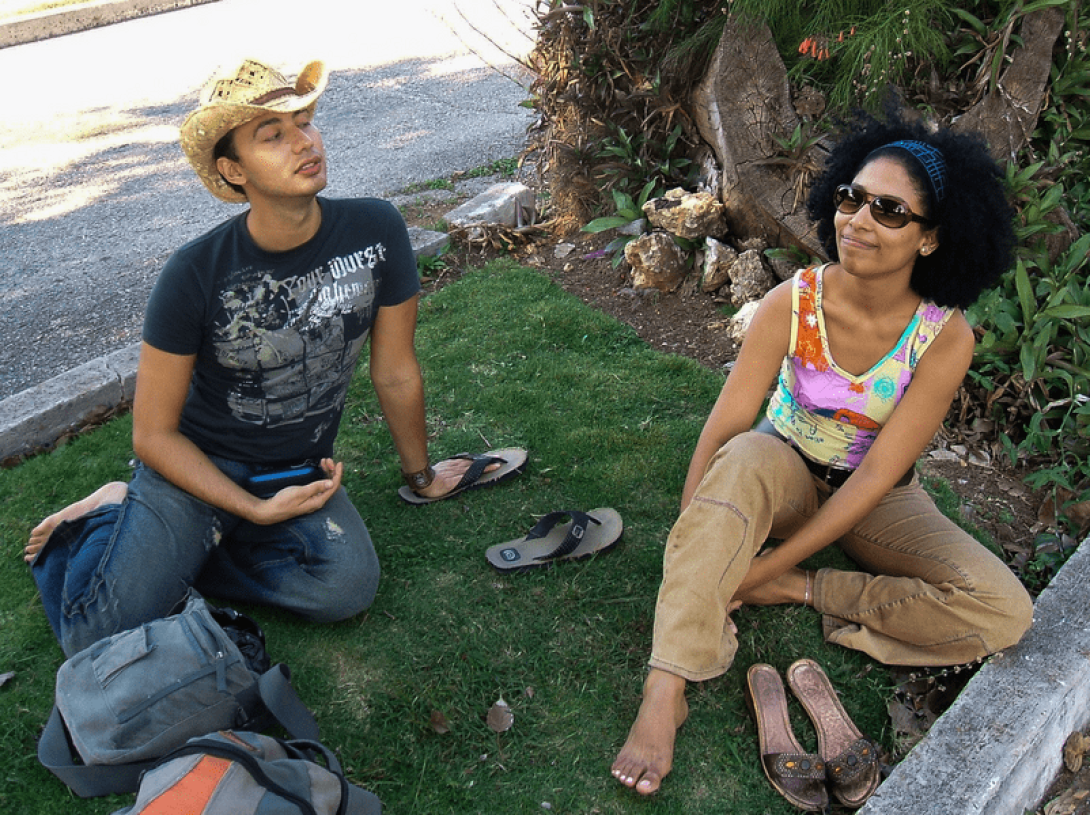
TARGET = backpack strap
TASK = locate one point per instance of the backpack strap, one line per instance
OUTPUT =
(55, 752)
(87, 781)
(284, 703)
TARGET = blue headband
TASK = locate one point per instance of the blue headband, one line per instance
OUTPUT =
(931, 159)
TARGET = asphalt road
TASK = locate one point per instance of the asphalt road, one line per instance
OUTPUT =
(95, 193)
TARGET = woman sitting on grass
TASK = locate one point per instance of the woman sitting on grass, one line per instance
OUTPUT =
(918, 226)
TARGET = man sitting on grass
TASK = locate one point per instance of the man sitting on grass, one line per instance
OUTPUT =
(250, 339)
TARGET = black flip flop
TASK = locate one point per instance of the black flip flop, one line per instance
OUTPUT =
(586, 534)
(512, 460)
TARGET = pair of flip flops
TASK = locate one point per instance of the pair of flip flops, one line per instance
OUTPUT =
(583, 535)
(550, 540)
(847, 761)
(511, 461)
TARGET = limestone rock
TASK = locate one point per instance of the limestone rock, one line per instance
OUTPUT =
(690, 215)
(657, 262)
(750, 279)
(718, 258)
(739, 323)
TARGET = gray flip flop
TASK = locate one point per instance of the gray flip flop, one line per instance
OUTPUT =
(512, 460)
(587, 533)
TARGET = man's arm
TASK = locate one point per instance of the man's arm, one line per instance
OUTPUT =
(398, 382)
(399, 385)
(162, 383)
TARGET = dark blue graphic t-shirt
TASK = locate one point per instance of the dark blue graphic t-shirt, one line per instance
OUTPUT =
(277, 334)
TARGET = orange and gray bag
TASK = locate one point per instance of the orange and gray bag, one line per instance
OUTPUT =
(129, 699)
(240, 773)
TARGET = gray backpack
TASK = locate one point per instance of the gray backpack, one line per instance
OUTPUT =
(133, 697)
(238, 773)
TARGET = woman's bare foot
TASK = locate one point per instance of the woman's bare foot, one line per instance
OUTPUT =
(648, 753)
(112, 493)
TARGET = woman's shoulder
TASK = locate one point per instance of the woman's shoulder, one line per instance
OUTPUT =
(953, 341)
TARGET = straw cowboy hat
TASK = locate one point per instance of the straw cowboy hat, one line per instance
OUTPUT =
(229, 101)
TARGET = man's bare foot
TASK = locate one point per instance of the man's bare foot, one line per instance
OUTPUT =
(112, 493)
(648, 753)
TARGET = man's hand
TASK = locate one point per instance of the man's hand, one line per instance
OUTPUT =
(447, 475)
(291, 502)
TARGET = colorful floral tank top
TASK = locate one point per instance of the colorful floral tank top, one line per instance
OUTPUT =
(833, 416)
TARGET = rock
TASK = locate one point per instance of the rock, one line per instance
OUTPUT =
(739, 323)
(750, 279)
(718, 258)
(562, 250)
(507, 204)
(740, 104)
(689, 215)
(427, 243)
(1007, 116)
(657, 262)
(756, 244)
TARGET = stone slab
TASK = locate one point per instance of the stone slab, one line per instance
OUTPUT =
(426, 242)
(1000, 745)
(507, 204)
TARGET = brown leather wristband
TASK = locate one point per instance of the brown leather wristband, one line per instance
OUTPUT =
(420, 480)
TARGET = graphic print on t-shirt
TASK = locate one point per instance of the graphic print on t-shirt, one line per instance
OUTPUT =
(293, 342)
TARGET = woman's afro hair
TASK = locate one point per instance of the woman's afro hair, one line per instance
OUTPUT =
(975, 220)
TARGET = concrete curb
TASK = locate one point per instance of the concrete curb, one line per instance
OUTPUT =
(38, 416)
(70, 19)
(1000, 745)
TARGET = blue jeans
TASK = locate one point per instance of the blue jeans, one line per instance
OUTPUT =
(126, 564)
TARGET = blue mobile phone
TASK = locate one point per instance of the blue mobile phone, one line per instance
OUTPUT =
(266, 485)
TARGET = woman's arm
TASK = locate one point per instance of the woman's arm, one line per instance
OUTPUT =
(162, 383)
(747, 385)
(899, 444)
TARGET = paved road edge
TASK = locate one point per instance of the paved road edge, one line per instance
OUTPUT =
(71, 19)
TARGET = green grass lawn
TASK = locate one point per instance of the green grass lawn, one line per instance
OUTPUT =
(509, 360)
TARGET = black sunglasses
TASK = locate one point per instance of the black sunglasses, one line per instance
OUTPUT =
(886, 211)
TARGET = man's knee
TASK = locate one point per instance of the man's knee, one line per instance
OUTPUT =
(347, 586)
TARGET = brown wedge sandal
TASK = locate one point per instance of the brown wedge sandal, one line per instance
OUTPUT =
(851, 759)
(798, 776)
